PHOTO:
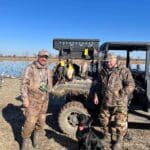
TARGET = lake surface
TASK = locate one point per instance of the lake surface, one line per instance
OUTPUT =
(15, 68)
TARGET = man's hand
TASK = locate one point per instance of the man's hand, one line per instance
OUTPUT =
(95, 100)
(26, 103)
(122, 92)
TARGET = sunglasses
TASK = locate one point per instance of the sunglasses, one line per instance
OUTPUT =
(43, 56)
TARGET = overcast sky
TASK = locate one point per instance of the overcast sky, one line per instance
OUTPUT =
(27, 26)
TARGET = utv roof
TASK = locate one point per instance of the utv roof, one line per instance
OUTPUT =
(74, 48)
(62, 43)
(125, 46)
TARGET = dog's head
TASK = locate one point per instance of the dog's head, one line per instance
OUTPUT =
(84, 122)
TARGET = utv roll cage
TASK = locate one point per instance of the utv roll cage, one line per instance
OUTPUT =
(128, 46)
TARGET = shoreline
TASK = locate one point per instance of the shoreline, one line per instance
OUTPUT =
(56, 60)
(25, 59)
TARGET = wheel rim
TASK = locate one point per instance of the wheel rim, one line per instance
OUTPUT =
(72, 119)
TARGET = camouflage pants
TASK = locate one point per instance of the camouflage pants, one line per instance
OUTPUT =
(119, 114)
(35, 118)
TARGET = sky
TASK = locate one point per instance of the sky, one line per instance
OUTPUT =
(26, 26)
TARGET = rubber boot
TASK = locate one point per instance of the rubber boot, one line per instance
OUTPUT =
(25, 144)
(118, 144)
(36, 135)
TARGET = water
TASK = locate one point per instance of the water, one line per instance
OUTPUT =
(141, 67)
(15, 68)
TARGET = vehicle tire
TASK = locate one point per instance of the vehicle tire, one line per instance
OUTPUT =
(67, 119)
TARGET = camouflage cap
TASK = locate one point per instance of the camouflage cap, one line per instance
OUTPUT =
(43, 53)
(110, 56)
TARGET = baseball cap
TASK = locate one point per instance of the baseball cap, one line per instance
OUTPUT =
(110, 56)
(43, 53)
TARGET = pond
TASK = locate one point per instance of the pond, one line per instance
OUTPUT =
(15, 68)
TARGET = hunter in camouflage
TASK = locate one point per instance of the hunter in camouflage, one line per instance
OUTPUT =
(114, 88)
(35, 88)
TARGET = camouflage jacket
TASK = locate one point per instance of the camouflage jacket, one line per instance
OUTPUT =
(33, 76)
(115, 86)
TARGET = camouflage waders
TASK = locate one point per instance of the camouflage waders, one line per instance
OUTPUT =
(114, 88)
(35, 88)
(119, 114)
(35, 118)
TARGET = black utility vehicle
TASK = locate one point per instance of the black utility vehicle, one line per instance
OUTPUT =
(78, 91)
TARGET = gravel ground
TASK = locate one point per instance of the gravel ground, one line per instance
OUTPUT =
(12, 119)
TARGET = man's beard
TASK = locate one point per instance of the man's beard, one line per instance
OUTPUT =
(43, 63)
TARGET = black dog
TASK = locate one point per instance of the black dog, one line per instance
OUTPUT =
(86, 135)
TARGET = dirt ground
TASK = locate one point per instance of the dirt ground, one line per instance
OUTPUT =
(12, 119)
